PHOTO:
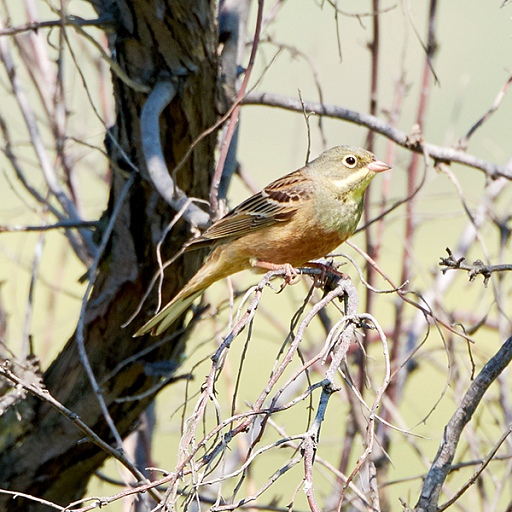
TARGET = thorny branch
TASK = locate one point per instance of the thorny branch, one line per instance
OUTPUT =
(478, 267)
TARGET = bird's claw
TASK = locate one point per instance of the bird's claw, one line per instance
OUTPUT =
(291, 276)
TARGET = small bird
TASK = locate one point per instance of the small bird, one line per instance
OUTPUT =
(297, 218)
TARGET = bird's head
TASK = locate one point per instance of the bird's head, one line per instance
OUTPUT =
(347, 168)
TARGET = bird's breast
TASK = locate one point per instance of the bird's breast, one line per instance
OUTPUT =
(340, 213)
(305, 237)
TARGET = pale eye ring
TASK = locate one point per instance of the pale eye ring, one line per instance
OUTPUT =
(350, 161)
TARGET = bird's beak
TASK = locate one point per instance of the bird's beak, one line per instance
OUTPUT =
(378, 166)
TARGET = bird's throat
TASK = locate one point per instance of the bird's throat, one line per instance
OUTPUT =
(354, 183)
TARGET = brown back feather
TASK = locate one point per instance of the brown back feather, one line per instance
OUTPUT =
(277, 202)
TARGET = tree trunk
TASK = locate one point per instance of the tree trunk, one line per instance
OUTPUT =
(45, 454)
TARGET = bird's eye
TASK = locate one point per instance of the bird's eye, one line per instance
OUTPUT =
(350, 161)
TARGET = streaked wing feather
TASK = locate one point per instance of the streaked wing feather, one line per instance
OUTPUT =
(278, 202)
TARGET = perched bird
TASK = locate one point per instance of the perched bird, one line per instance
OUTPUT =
(297, 218)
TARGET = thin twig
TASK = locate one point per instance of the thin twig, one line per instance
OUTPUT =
(233, 120)
(44, 395)
(463, 142)
(26, 343)
(476, 268)
(65, 224)
(103, 21)
(49, 172)
(46, 503)
(482, 464)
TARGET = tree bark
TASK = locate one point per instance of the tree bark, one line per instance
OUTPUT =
(45, 454)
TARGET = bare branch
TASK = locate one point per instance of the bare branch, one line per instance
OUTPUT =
(103, 21)
(37, 390)
(437, 153)
(80, 330)
(47, 168)
(65, 224)
(233, 121)
(476, 268)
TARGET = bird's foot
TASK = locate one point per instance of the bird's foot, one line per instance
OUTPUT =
(290, 273)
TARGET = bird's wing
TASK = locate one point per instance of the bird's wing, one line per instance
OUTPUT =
(277, 202)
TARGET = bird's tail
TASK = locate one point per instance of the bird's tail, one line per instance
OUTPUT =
(162, 320)
(214, 268)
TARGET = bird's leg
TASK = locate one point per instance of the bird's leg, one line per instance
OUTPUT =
(289, 272)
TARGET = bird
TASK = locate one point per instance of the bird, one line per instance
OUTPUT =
(300, 217)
